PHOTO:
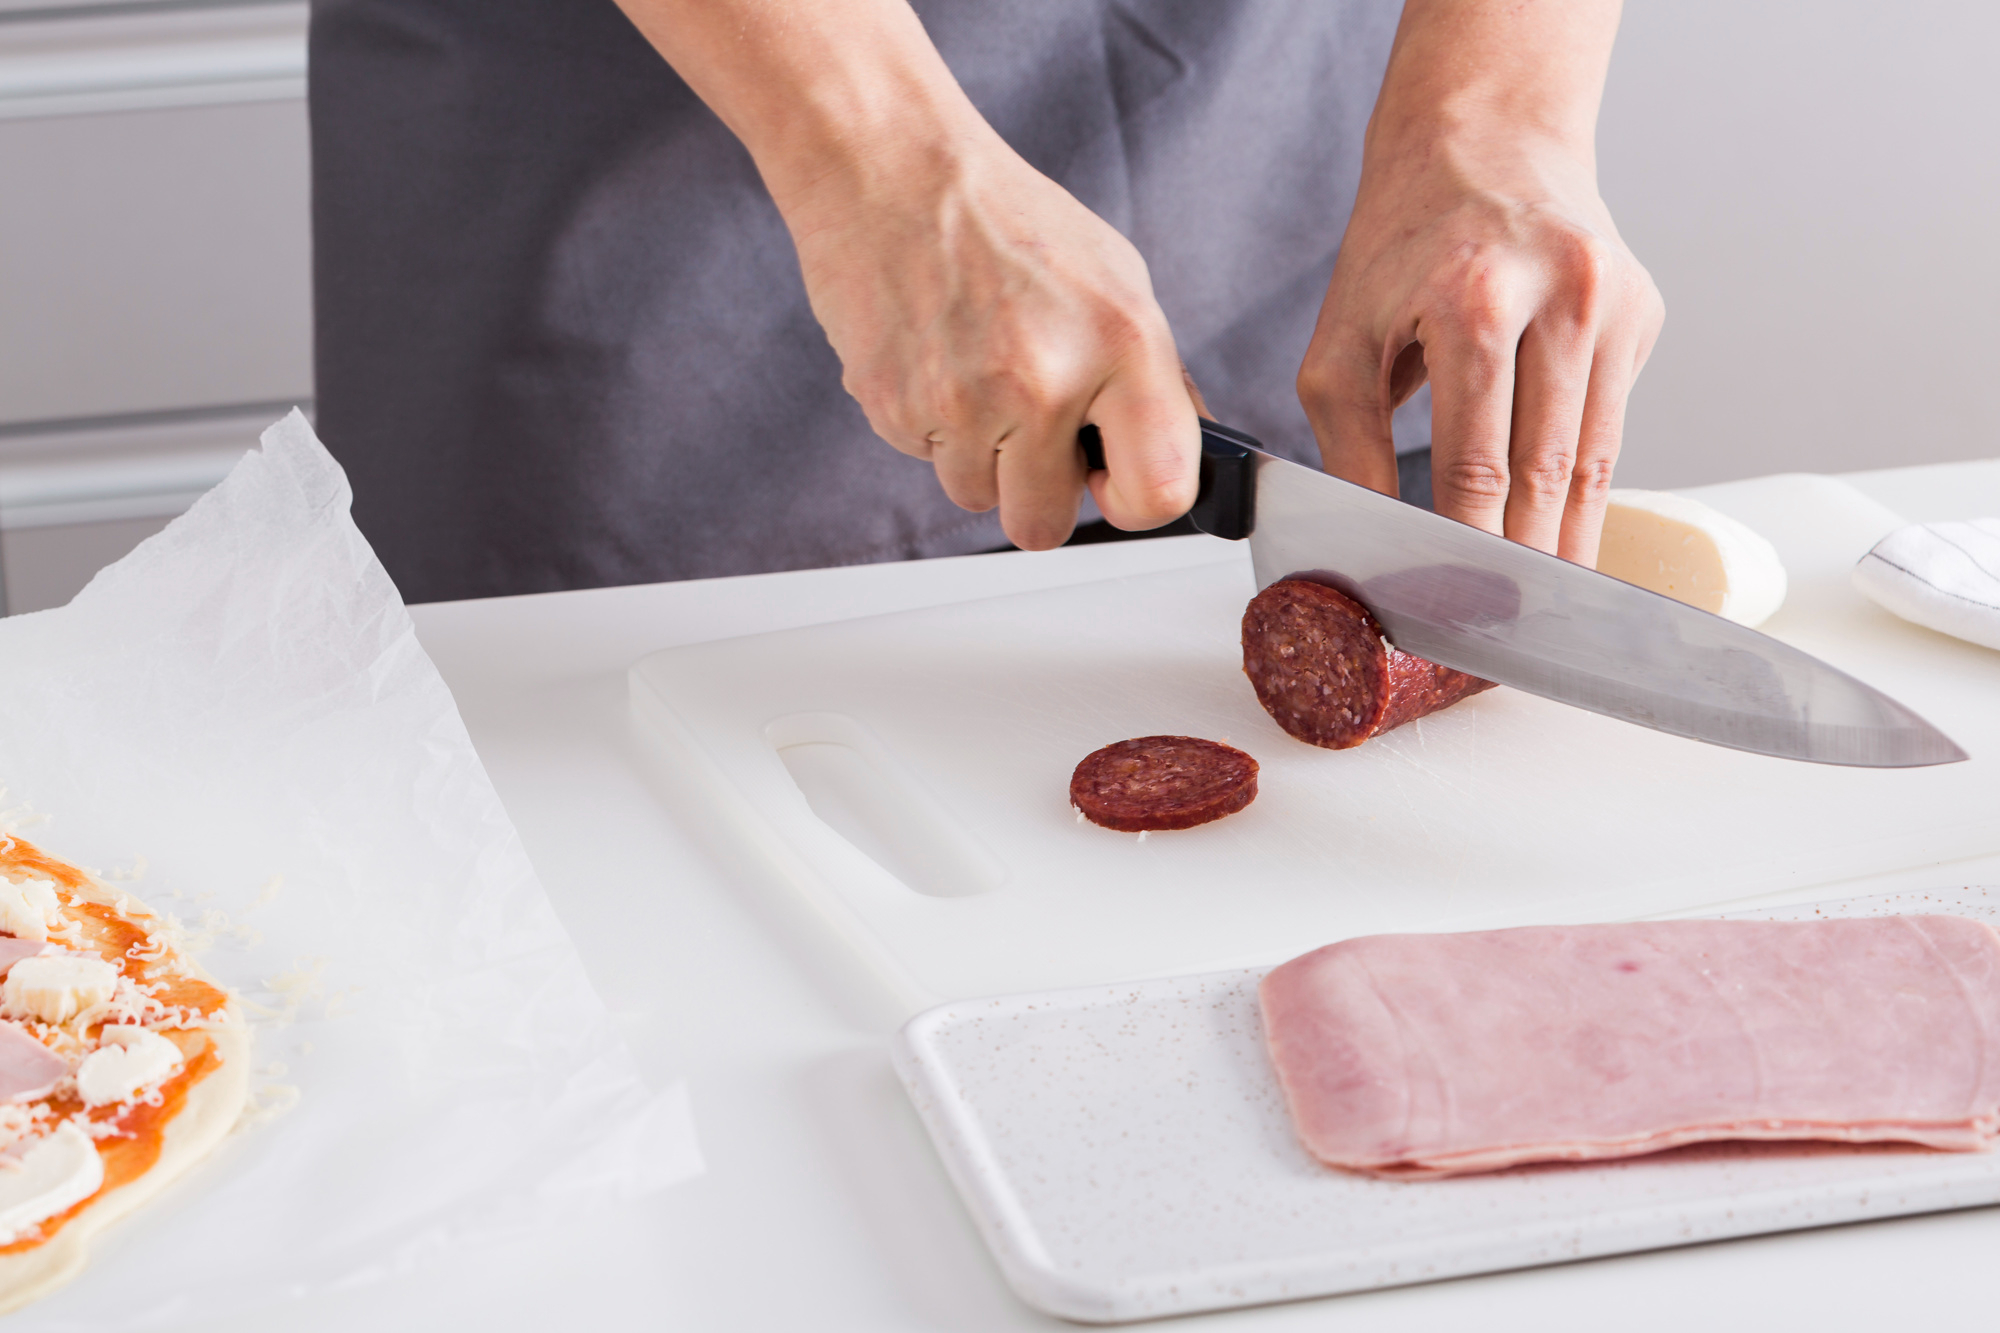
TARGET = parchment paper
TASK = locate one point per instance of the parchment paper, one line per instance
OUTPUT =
(242, 703)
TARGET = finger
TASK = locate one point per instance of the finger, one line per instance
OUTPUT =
(1040, 474)
(1194, 393)
(1152, 445)
(967, 467)
(1472, 412)
(1551, 381)
(1612, 373)
(1340, 387)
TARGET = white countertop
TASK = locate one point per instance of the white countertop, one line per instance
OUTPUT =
(823, 1207)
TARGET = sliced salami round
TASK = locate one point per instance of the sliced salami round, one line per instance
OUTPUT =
(1152, 783)
(1323, 671)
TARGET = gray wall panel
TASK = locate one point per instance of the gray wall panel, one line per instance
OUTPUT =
(154, 260)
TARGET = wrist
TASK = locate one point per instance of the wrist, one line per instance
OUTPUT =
(1490, 82)
(823, 93)
(1474, 126)
(853, 134)
(1421, 165)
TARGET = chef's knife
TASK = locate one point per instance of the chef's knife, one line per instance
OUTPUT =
(1467, 599)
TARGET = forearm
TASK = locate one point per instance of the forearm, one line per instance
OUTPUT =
(1489, 73)
(814, 90)
(981, 314)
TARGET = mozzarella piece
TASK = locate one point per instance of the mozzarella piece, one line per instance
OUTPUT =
(1685, 550)
(56, 987)
(27, 906)
(57, 1172)
(130, 1060)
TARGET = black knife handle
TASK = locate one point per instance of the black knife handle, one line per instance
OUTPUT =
(1226, 505)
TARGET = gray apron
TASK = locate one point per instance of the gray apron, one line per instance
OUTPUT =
(562, 338)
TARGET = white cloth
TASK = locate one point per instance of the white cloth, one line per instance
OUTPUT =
(1944, 576)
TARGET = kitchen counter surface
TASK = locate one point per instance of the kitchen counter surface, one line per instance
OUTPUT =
(823, 1207)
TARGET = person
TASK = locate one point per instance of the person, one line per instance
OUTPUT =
(608, 298)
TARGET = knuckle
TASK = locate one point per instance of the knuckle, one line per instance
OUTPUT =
(1123, 329)
(1333, 381)
(1034, 380)
(956, 401)
(1590, 480)
(1589, 279)
(873, 388)
(1482, 479)
(1546, 476)
(1323, 388)
(1477, 300)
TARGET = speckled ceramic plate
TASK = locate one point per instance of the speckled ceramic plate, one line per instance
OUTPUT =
(1126, 1154)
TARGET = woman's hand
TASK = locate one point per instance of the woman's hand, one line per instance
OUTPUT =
(1481, 258)
(982, 315)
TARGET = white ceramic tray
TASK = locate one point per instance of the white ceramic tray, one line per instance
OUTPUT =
(1126, 1154)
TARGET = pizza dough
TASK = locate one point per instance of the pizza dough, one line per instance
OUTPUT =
(150, 1117)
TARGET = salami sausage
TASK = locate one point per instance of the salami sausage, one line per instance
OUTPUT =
(1162, 782)
(1322, 669)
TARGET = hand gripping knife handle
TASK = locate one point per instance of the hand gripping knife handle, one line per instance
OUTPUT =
(1226, 505)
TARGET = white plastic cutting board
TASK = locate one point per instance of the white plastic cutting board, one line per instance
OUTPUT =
(942, 741)
(1126, 1154)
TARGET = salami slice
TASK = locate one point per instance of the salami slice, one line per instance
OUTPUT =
(1162, 782)
(1322, 669)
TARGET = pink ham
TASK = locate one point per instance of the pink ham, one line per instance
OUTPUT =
(28, 1069)
(13, 950)
(1433, 1055)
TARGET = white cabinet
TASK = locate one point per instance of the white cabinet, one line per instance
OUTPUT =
(155, 268)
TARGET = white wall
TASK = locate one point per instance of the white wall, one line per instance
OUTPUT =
(1816, 189)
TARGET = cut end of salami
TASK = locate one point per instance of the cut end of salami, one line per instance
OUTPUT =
(1324, 673)
(1154, 783)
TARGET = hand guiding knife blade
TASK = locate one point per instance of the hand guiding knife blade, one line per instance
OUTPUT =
(1470, 600)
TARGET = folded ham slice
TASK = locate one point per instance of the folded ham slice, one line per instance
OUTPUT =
(1434, 1055)
(13, 950)
(28, 1069)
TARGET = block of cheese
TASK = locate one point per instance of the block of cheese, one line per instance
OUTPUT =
(1685, 550)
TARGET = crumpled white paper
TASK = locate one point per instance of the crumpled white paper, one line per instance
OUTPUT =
(242, 702)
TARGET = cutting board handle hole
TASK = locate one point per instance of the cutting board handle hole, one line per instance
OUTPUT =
(862, 791)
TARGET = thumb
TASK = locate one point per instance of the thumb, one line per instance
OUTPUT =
(1152, 446)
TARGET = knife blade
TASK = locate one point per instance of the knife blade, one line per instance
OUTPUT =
(1467, 599)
